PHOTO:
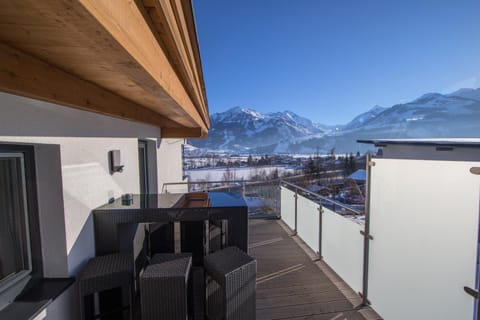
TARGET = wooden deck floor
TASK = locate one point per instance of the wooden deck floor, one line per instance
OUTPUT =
(290, 285)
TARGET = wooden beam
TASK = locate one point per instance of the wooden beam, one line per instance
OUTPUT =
(183, 133)
(91, 45)
(126, 24)
(192, 30)
(162, 31)
(168, 25)
(170, 21)
(181, 22)
(25, 75)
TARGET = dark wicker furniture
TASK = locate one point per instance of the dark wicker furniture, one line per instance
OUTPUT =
(231, 287)
(194, 239)
(105, 273)
(164, 287)
(197, 294)
(116, 224)
(110, 220)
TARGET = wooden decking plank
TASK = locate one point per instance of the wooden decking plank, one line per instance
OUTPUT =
(299, 299)
(345, 315)
(293, 290)
(287, 291)
(304, 310)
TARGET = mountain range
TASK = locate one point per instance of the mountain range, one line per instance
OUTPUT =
(433, 115)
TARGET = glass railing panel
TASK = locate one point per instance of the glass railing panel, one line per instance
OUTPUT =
(424, 223)
(308, 222)
(263, 198)
(342, 247)
(180, 188)
(288, 207)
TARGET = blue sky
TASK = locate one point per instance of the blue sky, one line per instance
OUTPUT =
(330, 60)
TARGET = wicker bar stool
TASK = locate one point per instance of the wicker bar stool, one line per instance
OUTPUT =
(231, 287)
(164, 287)
(104, 273)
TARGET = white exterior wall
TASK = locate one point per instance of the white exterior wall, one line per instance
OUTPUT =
(85, 139)
(169, 164)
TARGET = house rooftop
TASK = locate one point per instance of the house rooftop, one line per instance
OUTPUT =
(359, 175)
(443, 142)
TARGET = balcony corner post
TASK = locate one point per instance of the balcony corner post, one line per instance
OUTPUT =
(296, 211)
(366, 233)
(320, 226)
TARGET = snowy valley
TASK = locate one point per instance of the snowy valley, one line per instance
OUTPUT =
(433, 115)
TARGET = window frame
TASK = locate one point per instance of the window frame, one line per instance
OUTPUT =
(143, 174)
(12, 279)
(9, 290)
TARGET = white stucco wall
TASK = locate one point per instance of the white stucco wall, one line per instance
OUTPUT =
(85, 139)
(168, 167)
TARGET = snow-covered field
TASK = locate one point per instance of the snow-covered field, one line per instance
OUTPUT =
(239, 173)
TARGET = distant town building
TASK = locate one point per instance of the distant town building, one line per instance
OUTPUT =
(360, 175)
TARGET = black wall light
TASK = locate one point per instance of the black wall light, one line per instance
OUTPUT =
(116, 161)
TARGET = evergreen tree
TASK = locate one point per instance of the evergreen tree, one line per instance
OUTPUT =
(250, 160)
(310, 166)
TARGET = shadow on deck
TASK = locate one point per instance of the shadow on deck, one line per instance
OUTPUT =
(291, 284)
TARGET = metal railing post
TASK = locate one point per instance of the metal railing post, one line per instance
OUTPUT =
(296, 210)
(366, 233)
(278, 199)
(320, 226)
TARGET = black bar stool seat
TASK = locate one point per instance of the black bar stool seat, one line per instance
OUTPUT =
(231, 285)
(164, 287)
(105, 273)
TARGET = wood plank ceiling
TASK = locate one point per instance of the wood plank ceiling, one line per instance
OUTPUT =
(133, 59)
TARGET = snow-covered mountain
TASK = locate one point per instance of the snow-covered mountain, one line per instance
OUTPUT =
(467, 93)
(433, 115)
(242, 129)
(363, 118)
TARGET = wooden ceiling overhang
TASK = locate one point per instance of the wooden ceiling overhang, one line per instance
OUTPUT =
(133, 59)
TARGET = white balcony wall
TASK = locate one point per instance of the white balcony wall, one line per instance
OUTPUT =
(342, 247)
(308, 222)
(84, 139)
(287, 204)
(424, 221)
(342, 243)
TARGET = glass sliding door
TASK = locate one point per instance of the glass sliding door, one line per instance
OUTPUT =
(143, 166)
(15, 257)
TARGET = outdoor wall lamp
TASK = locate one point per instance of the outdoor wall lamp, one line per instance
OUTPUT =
(116, 161)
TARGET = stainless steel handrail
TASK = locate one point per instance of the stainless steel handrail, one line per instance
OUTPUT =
(335, 203)
(232, 182)
(280, 182)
